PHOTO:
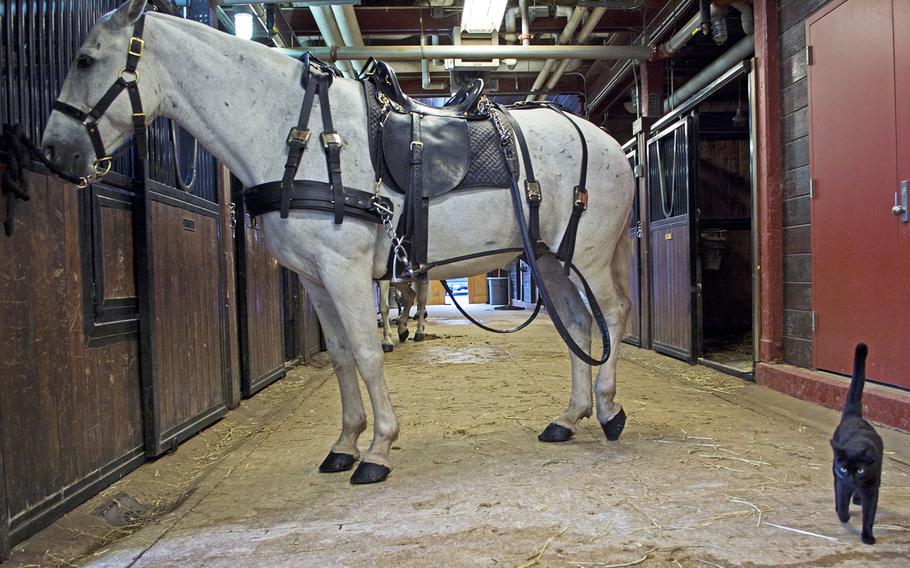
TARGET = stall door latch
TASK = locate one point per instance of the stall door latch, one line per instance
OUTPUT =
(901, 206)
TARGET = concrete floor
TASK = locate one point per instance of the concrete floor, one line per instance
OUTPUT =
(711, 471)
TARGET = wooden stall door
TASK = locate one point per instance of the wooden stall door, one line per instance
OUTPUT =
(437, 294)
(182, 301)
(260, 305)
(859, 292)
(633, 333)
(673, 219)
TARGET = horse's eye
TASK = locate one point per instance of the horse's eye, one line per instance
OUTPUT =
(84, 61)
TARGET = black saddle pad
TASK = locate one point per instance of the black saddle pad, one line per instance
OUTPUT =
(457, 154)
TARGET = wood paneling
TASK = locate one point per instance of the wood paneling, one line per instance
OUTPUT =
(70, 414)
(671, 287)
(117, 259)
(262, 320)
(188, 344)
(477, 289)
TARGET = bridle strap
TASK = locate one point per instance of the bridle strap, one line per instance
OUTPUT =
(91, 118)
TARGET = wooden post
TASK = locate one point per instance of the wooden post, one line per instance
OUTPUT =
(228, 250)
(768, 162)
(651, 96)
(477, 289)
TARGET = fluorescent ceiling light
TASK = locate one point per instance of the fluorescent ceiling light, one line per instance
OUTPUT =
(243, 25)
(482, 16)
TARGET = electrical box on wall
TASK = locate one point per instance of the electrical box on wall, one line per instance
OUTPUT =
(466, 39)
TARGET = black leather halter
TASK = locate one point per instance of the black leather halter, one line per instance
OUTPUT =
(127, 80)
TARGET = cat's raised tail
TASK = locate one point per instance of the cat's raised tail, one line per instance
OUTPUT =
(854, 406)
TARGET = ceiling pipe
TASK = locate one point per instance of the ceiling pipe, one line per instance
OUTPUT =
(346, 19)
(648, 37)
(415, 52)
(583, 35)
(325, 21)
(564, 38)
(425, 81)
(741, 50)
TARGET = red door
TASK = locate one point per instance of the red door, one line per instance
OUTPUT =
(859, 289)
(902, 80)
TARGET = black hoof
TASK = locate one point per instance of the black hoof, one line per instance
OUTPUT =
(868, 539)
(333, 463)
(845, 518)
(419, 336)
(614, 426)
(403, 335)
(555, 433)
(379, 324)
(368, 472)
(387, 347)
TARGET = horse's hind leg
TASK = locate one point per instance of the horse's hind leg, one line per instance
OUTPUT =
(384, 289)
(575, 314)
(422, 288)
(344, 452)
(612, 291)
(407, 300)
(350, 295)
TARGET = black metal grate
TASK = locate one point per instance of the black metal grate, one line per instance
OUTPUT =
(40, 39)
(668, 173)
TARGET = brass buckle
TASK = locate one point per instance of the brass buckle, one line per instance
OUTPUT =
(581, 198)
(533, 190)
(136, 51)
(139, 116)
(329, 138)
(298, 136)
(102, 166)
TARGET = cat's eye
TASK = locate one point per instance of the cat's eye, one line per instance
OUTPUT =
(843, 468)
(860, 471)
(84, 61)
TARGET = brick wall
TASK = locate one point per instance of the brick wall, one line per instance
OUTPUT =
(795, 156)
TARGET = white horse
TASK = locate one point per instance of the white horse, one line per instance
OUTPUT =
(239, 98)
(408, 296)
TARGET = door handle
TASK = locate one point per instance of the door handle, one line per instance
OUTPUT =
(900, 204)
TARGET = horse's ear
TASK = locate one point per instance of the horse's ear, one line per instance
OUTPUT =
(129, 12)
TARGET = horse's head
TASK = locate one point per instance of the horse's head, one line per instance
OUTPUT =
(86, 126)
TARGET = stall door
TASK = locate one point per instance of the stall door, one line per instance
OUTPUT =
(260, 304)
(859, 154)
(672, 219)
(634, 331)
(181, 289)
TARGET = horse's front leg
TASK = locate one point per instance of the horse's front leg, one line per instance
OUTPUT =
(384, 289)
(575, 315)
(422, 288)
(344, 452)
(350, 294)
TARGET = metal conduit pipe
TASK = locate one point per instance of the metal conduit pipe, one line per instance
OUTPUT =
(350, 29)
(425, 81)
(564, 38)
(664, 24)
(582, 37)
(325, 21)
(415, 52)
(525, 36)
(746, 16)
(743, 48)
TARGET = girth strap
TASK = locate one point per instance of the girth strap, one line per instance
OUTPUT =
(532, 187)
(417, 205)
(567, 246)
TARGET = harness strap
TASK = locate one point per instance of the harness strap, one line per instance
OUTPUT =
(519, 327)
(331, 143)
(531, 260)
(417, 204)
(532, 187)
(313, 195)
(298, 138)
(567, 246)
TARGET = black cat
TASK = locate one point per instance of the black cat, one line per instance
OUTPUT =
(858, 452)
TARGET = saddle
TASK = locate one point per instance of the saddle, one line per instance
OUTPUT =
(425, 152)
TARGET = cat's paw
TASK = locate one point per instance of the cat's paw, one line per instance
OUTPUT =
(844, 517)
(868, 539)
